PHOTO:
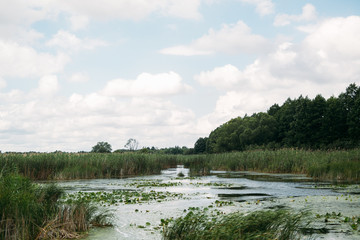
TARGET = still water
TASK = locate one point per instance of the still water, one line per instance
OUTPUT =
(142, 220)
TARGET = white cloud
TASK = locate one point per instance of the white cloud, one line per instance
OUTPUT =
(69, 41)
(187, 9)
(263, 7)
(147, 85)
(23, 61)
(230, 39)
(78, 122)
(308, 14)
(79, 77)
(2, 83)
(131, 9)
(326, 62)
(48, 85)
(79, 22)
(221, 77)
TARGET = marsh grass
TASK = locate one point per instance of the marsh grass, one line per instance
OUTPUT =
(339, 165)
(46, 166)
(200, 225)
(30, 211)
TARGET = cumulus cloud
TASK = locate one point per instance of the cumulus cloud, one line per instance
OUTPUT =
(147, 84)
(23, 61)
(230, 39)
(2, 83)
(308, 14)
(131, 9)
(79, 121)
(221, 77)
(78, 22)
(66, 40)
(325, 62)
(48, 85)
(79, 77)
(263, 7)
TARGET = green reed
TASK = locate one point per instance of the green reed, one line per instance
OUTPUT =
(30, 211)
(44, 166)
(200, 224)
(342, 165)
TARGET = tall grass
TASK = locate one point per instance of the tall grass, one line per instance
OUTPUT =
(44, 166)
(29, 211)
(280, 224)
(339, 165)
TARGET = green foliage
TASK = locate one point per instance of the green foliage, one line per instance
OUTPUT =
(102, 147)
(337, 165)
(45, 166)
(200, 145)
(199, 224)
(303, 123)
(30, 211)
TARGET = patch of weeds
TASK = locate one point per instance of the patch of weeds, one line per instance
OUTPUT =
(152, 183)
(205, 224)
(117, 197)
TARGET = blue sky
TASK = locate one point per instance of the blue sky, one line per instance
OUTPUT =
(165, 72)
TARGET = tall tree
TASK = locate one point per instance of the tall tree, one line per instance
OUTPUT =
(132, 144)
(101, 147)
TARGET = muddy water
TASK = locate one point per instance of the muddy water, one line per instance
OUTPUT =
(249, 191)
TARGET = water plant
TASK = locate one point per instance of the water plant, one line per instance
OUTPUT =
(45, 166)
(202, 224)
(30, 211)
(336, 165)
(117, 197)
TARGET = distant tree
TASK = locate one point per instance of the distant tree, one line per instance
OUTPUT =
(132, 144)
(200, 145)
(102, 147)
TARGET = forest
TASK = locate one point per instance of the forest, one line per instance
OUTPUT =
(318, 123)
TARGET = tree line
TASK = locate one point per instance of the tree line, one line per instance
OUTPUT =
(317, 123)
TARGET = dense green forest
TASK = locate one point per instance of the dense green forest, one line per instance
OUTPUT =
(317, 123)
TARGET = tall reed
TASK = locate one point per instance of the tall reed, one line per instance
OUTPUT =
(29, 211)
(343, 165)
(44, 166)
(261, 225)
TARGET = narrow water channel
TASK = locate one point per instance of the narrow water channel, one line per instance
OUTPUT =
(248, 192)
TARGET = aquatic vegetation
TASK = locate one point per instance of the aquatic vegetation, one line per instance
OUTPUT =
(121, 197)
(204, 224)
(45, 166)
(337, 165)
(30, 211)
(152, 183)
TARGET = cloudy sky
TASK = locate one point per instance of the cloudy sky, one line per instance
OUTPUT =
(165, 72)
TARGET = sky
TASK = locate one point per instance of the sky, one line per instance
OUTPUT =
(165, 72)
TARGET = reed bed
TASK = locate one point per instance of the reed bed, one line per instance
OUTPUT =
(337, 165)
(61, 166)
(261, 225)
(29, 211)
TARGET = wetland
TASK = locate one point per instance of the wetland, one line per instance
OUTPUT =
(142, 207)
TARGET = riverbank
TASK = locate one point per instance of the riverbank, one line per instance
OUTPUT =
(336, 166)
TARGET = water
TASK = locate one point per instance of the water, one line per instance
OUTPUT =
(142, 221)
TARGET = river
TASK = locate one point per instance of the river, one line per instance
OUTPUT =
(246, 190)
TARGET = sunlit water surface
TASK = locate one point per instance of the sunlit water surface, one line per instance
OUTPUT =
(142, 221)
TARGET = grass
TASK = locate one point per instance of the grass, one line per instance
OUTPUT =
(61, 166)
(201, 224)
(339, 165)
(30, 211)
